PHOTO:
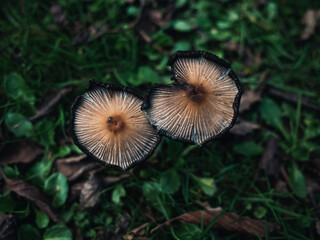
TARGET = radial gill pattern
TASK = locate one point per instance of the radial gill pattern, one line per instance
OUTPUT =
(109, 125)
(200, 106)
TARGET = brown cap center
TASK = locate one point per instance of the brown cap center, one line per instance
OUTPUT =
(195, 93)
(115, 124)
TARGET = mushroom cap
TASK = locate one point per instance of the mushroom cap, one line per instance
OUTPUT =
(202, 104)
(108, 125)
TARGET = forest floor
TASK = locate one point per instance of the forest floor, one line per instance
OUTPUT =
(260, 180)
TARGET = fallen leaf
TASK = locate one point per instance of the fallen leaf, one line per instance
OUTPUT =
(270, 159)
(75, 191)
(33, 194)
(77, 187)
(310, 21)
(50, 100)
(108, 181)
(8, 228)
(90, 193)
(137, 232)
(227, 220)
(74, 167)
(249, 98)
(243, 127)
(20, 152)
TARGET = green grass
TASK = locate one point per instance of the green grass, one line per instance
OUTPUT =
(38, 54)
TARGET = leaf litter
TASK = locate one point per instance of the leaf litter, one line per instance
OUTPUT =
(32, 194)
(20, 152)
(224, 220)
(74, 167)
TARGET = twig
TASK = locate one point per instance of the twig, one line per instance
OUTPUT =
(293, 98)
(148, 40)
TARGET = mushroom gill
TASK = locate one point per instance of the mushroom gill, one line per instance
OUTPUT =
(201, 105)
(108, 125)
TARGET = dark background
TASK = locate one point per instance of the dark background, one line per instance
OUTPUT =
(266, 168)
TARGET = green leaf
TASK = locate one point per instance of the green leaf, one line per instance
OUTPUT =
(39, 171)
(180, 3)
(260, 212)
(69, 212)
(182, 26)
(45, 128)
(151, 191)
(57, 186)
(7, 204)
(57, 232)
(17, 124)
(223, 25)
(249, 149)
(147, 75)
(207, 185)
(170, 182)
(27, 232)
(64, 151)
(181, 46)
(75, 149)
(271, 113)
(301, 152)
(42, 219)
(297, 181)
(272, 10)
(117, 193)
(11, 172)
(16, 87)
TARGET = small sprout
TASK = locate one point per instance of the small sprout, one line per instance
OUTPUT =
(108, 125)
(202, 104)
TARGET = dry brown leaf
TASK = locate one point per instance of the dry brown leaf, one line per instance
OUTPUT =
(50, 100)
(90, 193)
(137, 232)
(108, 181)
(310, 21)
(20, 152)
(74, 167)
(32, 194)
(75, 191)
(243, 128)
(249, 98)
(270, 159)
(228, 221)
(8, 228)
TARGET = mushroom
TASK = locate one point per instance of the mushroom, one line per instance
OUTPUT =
(108, 125)
(202, 104)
